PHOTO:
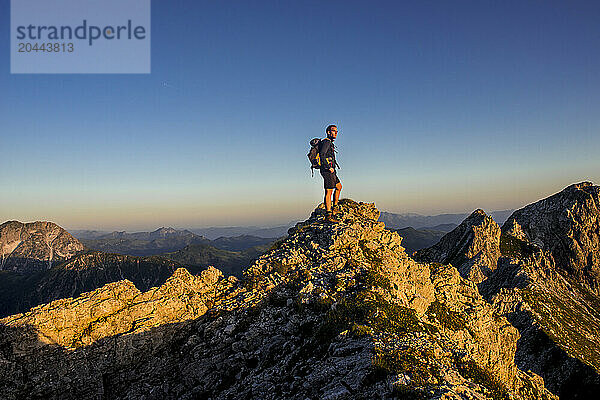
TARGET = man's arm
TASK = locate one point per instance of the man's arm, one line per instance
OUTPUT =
(325, 146)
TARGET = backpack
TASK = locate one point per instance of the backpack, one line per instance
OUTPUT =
(313, 155)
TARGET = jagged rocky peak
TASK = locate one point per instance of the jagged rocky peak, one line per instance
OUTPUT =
(34, 246)
(333, 311)
(566, 226)
(546, 284)
(473, 247)
(119, 307)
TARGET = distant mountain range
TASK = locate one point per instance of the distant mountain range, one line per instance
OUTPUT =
(41, 262)
(417, 239)
(210, 233)
(263, 232)
(442, 222)
(229, 262)
(163, 240)
(439, 222)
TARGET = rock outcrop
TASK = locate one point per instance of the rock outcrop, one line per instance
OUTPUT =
(543, 277)
(331, 312)
(566, 226)
(35, 246)
(119, 308)
(473, 247)
(81, 273)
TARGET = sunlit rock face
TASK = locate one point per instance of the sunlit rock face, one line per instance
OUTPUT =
(566, 226)
(540, 271)
(473, 247)
(333, 311)
(35, 246)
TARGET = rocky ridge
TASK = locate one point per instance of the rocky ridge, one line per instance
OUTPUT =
(331, 312)
(81, 273)
(544, 281)
(35, 246)
(473, 247)
(566, 227)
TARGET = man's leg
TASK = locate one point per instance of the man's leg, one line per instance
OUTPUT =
(336, 193)
(329, 216)
(327, 199)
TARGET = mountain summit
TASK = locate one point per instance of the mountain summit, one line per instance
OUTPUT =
(35, 246)
(540, 271)
(330, 312)
(566, 226)
(473, 247)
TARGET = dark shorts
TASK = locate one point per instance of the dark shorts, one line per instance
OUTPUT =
(330, 179)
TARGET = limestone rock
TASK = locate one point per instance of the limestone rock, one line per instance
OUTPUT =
(35, 246)
(333, 311)
(567, 226)
(119, 307)
(546, 284)
(473, 247)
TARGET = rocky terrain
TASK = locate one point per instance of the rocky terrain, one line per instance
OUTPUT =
(331, 312)
(35, 246)
(566, 228)
(43, 275)
(84, 272)
(473, 247)
(540, 271)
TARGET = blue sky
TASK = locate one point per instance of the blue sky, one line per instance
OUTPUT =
(441, 107)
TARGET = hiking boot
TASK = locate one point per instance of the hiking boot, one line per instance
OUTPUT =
(330, 218)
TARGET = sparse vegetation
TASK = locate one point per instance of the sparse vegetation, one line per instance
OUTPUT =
(445, 317)
(566, 321)
(279, 267)
(277, 244)
(510, 246)
(470, 370)
(409, 361)
(373, 278)
(369, 309)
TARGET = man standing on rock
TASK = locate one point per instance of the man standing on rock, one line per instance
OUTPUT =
(332, 183)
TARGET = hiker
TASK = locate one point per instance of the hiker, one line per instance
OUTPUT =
(332, 183)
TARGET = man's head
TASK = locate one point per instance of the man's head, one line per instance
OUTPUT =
(332, 132)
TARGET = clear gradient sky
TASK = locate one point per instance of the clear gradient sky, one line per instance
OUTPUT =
(441, 107)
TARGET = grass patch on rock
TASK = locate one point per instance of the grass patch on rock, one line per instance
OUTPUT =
(447, 318)
(511, 246)
(470, 370)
